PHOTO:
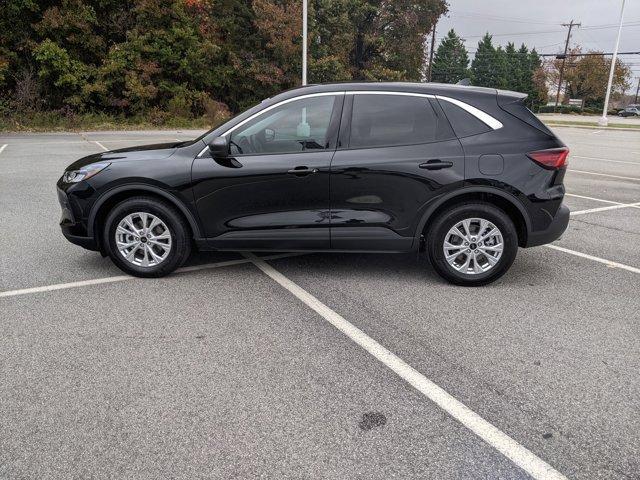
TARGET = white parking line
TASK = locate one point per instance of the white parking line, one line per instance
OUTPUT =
(604, 174)
(123, 278)
(592, 198)
(3, 147)
(523, 458)
(100, 145)
(604, 261)
(596, 132)
(605, 159)
(610, 207)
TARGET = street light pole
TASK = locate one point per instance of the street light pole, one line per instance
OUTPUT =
(603, 121)
(304, 42)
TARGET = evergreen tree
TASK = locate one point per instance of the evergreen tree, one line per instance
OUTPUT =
(524, 70)
(536, 81)
(450, 62)
(512, 67)
(482, 66)
(500, 67)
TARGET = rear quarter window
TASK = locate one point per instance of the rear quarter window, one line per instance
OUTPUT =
(464, 124)
(521, 112)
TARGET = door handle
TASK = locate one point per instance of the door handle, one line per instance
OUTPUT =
(435, 164)
(302, 171)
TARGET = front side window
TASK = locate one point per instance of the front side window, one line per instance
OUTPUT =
(297, 126)
(387, 120)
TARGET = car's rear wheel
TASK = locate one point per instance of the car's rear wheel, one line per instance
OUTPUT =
(146, 237)
(473, 244)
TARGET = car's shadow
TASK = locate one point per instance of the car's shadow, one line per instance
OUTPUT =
(411, 268)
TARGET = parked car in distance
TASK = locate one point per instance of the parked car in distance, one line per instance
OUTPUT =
(468, 174)
(630, 111)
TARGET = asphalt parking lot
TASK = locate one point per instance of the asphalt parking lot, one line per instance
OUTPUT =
(320, 366)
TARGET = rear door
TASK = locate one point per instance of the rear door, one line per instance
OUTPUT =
(397, 152)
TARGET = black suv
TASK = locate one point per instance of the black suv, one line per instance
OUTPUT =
(468, 173)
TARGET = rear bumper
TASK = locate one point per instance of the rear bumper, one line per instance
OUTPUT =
(553, 232)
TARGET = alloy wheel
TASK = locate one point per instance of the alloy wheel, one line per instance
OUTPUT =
(473, 246)
(143, 239)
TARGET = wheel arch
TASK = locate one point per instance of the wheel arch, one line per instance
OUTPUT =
(507, 202)
(110, 198)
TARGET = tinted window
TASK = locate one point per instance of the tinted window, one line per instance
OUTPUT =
(293, 127)
(521, 112)
(463, 123)
(379, 120)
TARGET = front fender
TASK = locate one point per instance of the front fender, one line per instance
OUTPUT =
(136, 188)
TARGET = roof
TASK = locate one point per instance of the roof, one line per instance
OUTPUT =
(429, 88)
(461, 92)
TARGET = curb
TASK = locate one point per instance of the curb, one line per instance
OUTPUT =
(592, 127)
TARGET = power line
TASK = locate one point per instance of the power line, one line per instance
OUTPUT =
(541, 32)
(587, 54)
(468, 14)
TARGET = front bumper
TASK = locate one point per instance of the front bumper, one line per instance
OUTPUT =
(71, 228)
(553, 232)
(85, 242)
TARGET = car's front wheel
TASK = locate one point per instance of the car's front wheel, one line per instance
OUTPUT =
(473, 244)
(146, 237)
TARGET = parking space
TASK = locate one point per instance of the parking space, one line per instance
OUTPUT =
(219, 371)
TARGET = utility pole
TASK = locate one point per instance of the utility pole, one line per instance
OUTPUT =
(433, 46)
(603, 121)
(637, 91)
(304, 42)
(564, 58)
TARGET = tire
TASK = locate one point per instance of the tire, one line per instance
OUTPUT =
(154, 252)
(480, 269)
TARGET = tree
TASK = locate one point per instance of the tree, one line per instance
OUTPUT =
(536, 81)
(588, 76)
(523, 75)
(189, 57)
(489, 66)
(450, 62)
(513, 73)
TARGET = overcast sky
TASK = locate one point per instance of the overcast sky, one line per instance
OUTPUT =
(518, 18)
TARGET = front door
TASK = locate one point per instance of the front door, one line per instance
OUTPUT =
(273, 193)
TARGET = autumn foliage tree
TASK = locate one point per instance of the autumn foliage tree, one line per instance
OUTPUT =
(587, 76)
(188, 58)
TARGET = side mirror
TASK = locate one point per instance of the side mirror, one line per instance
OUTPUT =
(219, 147)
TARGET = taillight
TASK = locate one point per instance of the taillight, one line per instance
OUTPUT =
(552, 158)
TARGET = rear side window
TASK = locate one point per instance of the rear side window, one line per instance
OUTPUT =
(389, 120)
(463, 123)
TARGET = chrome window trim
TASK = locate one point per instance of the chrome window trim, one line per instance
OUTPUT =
(476, 112)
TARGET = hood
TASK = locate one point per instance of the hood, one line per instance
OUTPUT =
(157, 151)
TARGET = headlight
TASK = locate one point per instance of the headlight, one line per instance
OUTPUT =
(88, 171)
